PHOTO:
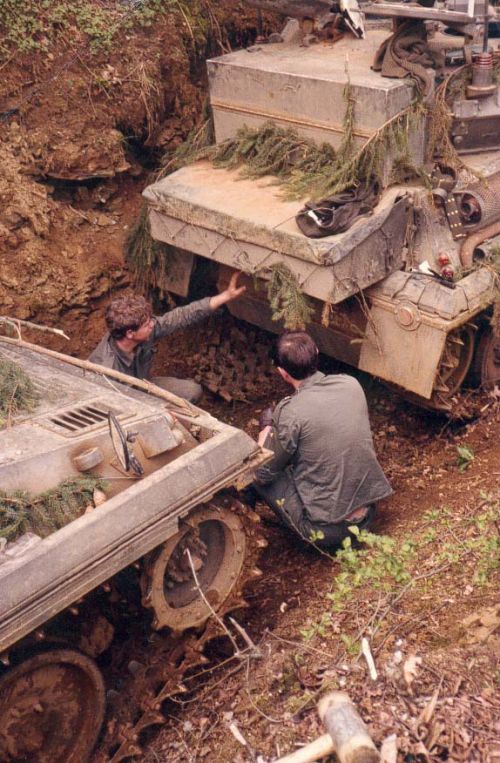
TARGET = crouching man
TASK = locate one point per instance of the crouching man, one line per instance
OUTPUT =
(133, 330)
(324, 475)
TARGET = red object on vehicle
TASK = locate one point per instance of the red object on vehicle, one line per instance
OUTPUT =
(443, 259)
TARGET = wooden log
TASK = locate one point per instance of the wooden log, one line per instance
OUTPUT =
(347, 734)
(316, 750)
(348, 731)
(178, 402)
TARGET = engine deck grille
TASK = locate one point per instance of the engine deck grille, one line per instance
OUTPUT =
(79, 419)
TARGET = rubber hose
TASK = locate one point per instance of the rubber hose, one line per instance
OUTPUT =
(470, 243)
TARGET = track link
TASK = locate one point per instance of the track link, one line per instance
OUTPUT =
(228, 368)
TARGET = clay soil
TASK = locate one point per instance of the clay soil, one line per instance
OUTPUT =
(80, 134)
(434, 638)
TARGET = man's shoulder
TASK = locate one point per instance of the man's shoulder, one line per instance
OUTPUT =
(283, 408)
(103, 352)
(340, 382)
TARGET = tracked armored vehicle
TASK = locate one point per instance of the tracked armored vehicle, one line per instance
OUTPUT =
(168, 515)
(406, 292)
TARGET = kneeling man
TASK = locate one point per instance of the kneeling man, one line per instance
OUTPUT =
(324, 475)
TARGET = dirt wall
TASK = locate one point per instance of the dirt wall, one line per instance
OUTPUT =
(85, 119)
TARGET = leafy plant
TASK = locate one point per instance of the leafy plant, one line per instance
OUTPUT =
(316, 535)
(28, 26)
(465, 457)
(380, 562)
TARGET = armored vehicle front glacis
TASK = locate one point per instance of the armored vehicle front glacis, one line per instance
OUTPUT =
(396, 141)
(96, 476)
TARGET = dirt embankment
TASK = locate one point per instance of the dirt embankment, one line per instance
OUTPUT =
(84, 120)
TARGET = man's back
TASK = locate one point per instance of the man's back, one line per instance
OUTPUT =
(325, 428)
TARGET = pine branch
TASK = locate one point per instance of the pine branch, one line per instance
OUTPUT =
(47, 512)
(288, 303)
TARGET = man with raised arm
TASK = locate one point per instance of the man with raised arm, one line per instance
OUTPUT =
(129, 344)
(324, 475)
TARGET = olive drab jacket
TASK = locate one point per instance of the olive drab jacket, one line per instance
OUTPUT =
(321, 435)
(138, 364)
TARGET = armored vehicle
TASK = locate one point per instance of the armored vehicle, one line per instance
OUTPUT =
(166, 510)
(405, 289)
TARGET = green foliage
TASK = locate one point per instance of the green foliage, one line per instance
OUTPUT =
(319, 628)
(288, 303)
(272, 150)
(35, 25)
(17, 392)
(307, 169)
(352, 647)
(473, 537)
(316, 535)
(380, 563)
(468, 543)
(149, 259)
(465, 457)
(44, 514)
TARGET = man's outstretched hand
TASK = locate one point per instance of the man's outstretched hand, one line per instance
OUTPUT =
(233, 291)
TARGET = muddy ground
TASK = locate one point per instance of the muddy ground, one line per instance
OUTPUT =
(82, 130)
(433, 634)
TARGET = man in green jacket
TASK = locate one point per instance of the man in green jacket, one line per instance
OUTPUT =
(324, 475)
(129, 344)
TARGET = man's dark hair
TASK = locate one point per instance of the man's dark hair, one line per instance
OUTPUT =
(127, 313)
(297, 354)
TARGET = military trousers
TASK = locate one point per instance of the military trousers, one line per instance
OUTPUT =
(185, 388)
(282, 497)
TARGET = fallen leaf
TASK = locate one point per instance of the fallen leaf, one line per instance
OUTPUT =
(410, 668)
(428, 711)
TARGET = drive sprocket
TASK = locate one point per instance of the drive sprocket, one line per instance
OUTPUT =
(211, 539)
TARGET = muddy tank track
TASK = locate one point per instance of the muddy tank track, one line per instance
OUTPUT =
(236, 362)
(156, 672)
(229, 370)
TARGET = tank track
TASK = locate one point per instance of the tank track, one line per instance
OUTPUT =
(159, 675)
(228, 368)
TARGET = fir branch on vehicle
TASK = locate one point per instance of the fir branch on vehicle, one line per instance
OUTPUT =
(288, 303)
(439, 143)
(45, 513)
(368, 162)
(17, 392)
(148, 259)
(271, 150)
(306, 169)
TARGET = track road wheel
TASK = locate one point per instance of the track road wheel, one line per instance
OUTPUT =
(454, 366)
(215, 538)
(486, 365)
(51, 709)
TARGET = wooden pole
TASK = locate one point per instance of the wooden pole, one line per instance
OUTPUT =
(347, 729)
(132, 381)
(347, 734)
